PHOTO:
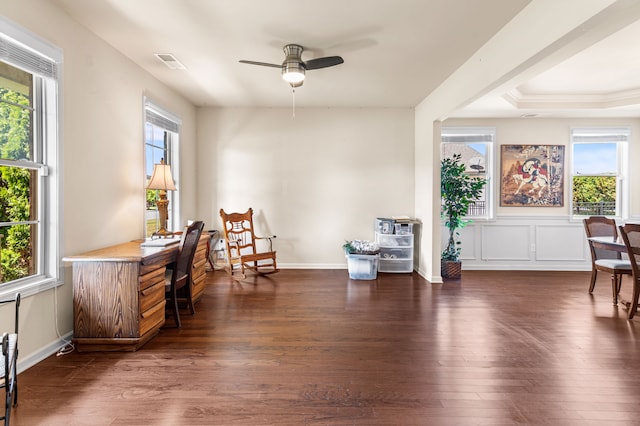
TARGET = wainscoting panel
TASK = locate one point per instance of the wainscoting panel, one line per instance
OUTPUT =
(559, 243)
(553, 243)
(509, 242)
(471, 248)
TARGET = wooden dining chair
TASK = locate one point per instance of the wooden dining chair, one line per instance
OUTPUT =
(179, 277)
(608, 261)
(242, 250)
(9, 363)
(631, 236)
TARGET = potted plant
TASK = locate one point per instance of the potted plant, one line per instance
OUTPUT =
(362, 259)
(457, 190)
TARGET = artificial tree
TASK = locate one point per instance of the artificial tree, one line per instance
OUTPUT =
(458, 190)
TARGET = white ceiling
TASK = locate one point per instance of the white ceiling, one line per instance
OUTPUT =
(395, 51)
(600, 81)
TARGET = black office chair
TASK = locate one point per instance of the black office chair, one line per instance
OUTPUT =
(180, 276)
(9, 364)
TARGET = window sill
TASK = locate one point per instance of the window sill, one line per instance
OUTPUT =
(28, 286)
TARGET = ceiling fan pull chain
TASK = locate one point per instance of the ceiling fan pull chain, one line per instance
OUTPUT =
(293, 90)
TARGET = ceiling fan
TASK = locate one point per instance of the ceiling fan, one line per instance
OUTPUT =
(294, 68)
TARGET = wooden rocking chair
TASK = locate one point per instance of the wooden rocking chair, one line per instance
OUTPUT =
(241, 246)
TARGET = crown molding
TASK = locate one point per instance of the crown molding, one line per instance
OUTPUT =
(623, 98)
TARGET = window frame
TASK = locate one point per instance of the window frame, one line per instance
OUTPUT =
(169, 122)
(476, 135)
(621, 136)
(24, 50)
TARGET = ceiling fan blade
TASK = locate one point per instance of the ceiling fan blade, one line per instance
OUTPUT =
(329, 61)
(264, 64)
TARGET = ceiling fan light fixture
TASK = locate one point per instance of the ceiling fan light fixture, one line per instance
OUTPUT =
(293, 69)
(293, 72)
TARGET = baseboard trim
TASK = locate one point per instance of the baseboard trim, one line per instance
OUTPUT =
(24, 363)
(312, 265)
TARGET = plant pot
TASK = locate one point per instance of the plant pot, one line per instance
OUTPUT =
(451, 269)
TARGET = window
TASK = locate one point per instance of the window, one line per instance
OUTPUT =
(161, 142)
(475, 145)
(29, 162)
(598, 181)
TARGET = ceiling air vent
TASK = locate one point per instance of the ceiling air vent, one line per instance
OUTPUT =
(170, 61)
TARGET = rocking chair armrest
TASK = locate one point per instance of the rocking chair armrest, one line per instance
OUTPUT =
(268, 237)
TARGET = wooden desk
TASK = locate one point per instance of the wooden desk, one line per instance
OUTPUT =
(118, 294)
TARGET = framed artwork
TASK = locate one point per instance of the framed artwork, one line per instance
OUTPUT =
(532, 175)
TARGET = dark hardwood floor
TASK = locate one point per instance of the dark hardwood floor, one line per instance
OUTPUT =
(311, 347)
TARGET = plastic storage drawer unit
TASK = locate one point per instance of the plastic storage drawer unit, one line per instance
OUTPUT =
(392, 240)
(396, 265)
(396, 252)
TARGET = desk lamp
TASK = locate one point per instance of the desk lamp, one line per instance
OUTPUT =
(163, 182)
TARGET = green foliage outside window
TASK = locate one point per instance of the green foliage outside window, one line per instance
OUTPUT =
(594, 195)
(152, 197)
(594, 189)
(15, 186)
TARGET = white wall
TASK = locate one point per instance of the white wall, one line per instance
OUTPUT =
(544, 33)
(102, 151)
(535, 238)
(314, 181)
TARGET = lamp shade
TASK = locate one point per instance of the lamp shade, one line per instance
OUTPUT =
(161, 178)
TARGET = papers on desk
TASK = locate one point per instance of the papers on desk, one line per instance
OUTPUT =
(159, 242)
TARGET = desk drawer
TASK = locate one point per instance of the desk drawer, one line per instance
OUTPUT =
(198, 287)
(151, 296)
(152, 318)
(202, 245)
(199, 267)
(152, 278)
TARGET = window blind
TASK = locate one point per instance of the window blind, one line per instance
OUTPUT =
(19, 56)
(162, 121)
(467, 135)
(600, 135)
